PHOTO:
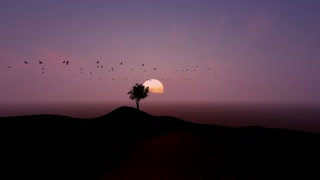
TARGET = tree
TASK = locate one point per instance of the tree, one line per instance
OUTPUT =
(138, 92)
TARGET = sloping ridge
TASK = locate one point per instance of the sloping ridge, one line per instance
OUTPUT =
(126, 110)
(76, 148)
(130, 121)
(84, 148)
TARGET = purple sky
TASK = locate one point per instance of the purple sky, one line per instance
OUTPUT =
(260, 51)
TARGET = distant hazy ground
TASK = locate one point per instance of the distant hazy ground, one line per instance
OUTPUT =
(299, 117)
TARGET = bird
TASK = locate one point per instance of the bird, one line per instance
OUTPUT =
(97, 62)
(26, 62)
(9, 67)
(67, 62)
(40, 62)
(142, 64)
(155, 69)
(121, 63)
(101, 66)
(63, 62)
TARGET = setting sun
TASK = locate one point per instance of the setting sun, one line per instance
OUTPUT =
(155, 86)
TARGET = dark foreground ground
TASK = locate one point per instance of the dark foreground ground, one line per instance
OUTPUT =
(148, 147)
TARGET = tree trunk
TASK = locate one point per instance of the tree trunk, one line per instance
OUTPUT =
(137, 103)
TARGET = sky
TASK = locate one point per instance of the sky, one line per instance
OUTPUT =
(228, 51)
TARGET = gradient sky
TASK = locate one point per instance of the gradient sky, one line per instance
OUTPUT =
(260, 51)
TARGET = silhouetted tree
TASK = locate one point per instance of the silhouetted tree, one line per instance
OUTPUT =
(138, 92)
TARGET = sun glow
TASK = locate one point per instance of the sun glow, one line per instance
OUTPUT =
(155, 86)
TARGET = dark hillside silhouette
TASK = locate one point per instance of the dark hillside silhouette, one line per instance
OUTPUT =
(143, 146)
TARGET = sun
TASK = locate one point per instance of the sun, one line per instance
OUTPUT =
(155, 86)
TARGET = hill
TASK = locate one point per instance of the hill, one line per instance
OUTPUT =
(149, 147)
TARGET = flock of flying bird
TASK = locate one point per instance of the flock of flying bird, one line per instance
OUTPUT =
(182, 74)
